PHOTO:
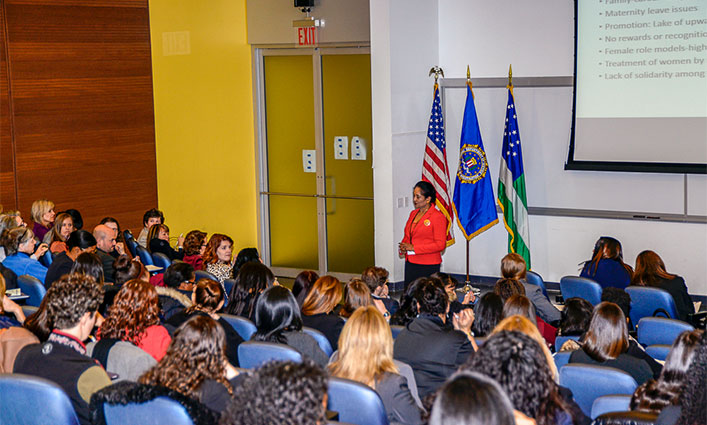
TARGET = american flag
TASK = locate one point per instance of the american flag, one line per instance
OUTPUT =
(434, 164)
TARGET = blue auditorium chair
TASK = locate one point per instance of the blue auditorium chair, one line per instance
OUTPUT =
(201, 274)
(161, 260)
(560, 340)
(536, 279)
(659, 330)
(356, 403)
(242, 325)
(650, 302)
(31, 286)
(610, 403)
(32, 400)
(321, 340)
(658, 351)
(252, 354)
(144, 255)
(589, 382)
(159, 411)
(580, 287)
(561, 358)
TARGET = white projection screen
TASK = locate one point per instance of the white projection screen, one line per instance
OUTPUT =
(640, 89)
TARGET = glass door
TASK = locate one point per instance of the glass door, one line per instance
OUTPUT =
(316, 180)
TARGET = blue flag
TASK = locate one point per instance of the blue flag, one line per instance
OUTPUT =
(473, 192)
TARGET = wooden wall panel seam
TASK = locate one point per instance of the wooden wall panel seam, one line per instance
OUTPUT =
(6, 46)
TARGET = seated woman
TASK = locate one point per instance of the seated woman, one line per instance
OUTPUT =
(357, 294)
(78, 242)
(194, 247)
(135, 317)
(175, 296)
(252, 280)
(318, 309)
(433, 347)
(128, 269)
(57, 236)
(43, 216)
(207, 299)
(487, 313)
(519, 305)
(472, 398)
(7, 223)
(650, 271)
(278, 319)
(245, 255)
(150, 218)
(575, 321)
(606, 344)
(377, 280)
(195, 364)
(217, 257)
(158, 241)
(656, 394)
(21, 257)
(302, 284)
(450, 286)
(607, 265)
(366, 355)
(519, 365)
(408, 305)
(9, 306)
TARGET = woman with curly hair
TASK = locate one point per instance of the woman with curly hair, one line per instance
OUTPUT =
(195, 364)
(318, 309)
(135, 317)
(252, 279)
(280, 393)
(217, 257)
(194, 247)
(523, 324)
(366, 355)
(207, 298)
(654, 395)
(59, 233)
(518, 364)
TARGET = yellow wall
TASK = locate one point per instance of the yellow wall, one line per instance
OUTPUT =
(204, 119)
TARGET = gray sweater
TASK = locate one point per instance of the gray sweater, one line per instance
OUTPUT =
(126, 360)
(307, 346)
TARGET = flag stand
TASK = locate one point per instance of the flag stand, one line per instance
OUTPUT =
(468, 283)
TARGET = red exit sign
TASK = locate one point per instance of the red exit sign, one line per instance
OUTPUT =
(307, 36)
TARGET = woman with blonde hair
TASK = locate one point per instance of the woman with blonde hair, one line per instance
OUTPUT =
(366, 355)
(43, 216)
(60, 232)
(524, 325)
(317, 309)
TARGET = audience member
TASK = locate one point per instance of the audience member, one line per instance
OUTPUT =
(39, 323)
(195, 364)
(21, 257)
(280, 393)
(72, 304)
(217, 257)
(575, 321)
(431, 346)
(135, 317)
(278, 319)
(151, 217)
(207, 298)
(518, 364)
(318, 309)
(656, 394)
(59, 233)
(105, 244)
(121, 358)
(252, 280)
(119, 248)
(76, 217)
(302, 284)
(9, 306)
(470, 398)
(88, 263)
(128, 269)
(519, 305)
(245, 255)
(357, 294)
(377, 280)
(607, 266)
(693, 409)
(408, 306)
(526, 326)
(606, 344)
(7, 223)
(79, 241)
(175, 296)
(450, 286)
(366, 355)
(194, 247)
(43, 216)
(650, 271)
(487, 313)
(513, 267)
(158, 241)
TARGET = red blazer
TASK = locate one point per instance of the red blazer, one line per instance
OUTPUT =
(428, 236)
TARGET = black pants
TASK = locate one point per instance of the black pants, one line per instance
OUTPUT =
(414, 271)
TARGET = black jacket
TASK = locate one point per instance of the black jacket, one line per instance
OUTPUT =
(60, 266)
(328, 324)
(433, 350)
(678, 290)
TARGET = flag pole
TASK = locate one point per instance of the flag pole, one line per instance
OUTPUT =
(468, 283)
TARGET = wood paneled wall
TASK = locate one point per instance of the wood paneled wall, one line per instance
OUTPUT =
(77, 108)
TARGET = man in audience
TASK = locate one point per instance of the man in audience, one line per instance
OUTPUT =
(119, 248)
(72, 305)
(428, 345)
(105, 242)
(79, 241)
(151, 217)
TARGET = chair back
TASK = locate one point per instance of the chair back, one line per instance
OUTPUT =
(202, 274)
(31, 286)
(628, 418)
(535, 279)
(395, 330)
(658, 351)
(321, 340)
(159, 411)
(252, 354)
(47, 259)
(610, 403)
(228, 285)
(132, 246)
(560, 340)
(243, 326)
(561, 358)
(161, 260)
(589, 382)
(649, 302)
(581, 287)
(356, 403)
(21, 395)
(144, 255)
(659, 330)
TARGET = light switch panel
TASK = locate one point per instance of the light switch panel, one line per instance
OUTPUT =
(358, 148)
(341, 147)
(309, 160)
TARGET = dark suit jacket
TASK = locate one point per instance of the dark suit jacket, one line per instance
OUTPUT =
(107, 261)
(677, 289)
(399, 405)
(432, 350)
(328, 324)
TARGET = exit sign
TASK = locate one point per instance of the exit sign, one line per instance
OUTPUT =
(307, 36)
